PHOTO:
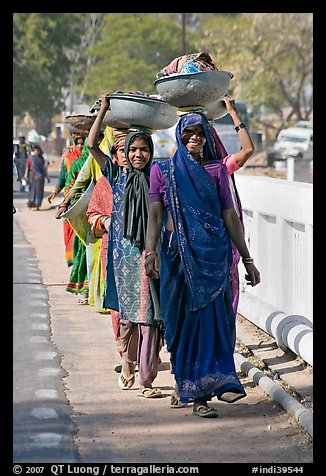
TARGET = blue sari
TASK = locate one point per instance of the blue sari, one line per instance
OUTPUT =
(196, 301)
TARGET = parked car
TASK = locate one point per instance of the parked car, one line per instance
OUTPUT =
(295, 142)
(164, 143)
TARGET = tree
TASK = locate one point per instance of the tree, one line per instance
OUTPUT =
(41, 66)
(134, 47)
(270, 55)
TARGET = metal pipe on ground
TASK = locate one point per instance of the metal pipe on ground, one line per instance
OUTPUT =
(303, 416)
(291, 331)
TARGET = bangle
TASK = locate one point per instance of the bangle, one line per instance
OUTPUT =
(150, 253)
(240, 126)
(103, 220)
(248, 260)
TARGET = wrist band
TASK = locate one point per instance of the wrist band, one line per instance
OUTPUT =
(240, 126)
(103, 220)
(248, 260)
(150, 253)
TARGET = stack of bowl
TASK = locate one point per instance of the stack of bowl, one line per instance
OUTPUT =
(134, 110)
(79, 122)
(204, 88)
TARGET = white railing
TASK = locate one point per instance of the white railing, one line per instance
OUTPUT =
(278, 216)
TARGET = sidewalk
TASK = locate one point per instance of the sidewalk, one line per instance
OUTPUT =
(119, 426)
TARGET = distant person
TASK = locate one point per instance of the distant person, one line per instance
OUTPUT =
(20, 157)
(35, 175)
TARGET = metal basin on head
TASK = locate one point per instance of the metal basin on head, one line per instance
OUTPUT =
(193, 89)
(136, 110)
(215, 110)
(110, 120)
(80, 122)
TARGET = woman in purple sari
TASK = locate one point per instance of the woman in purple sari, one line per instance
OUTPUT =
(35, 174)
(190, 193)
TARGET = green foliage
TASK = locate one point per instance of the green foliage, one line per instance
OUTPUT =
(41, 67)
(133, 48)
(270, 55)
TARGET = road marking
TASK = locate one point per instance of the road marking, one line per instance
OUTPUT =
(37, 315)
(45, 355)
(48, 372)
(47, 439)
(38, 339)
(44, 413)
(46, 393)
(35, 304)
(40, 326)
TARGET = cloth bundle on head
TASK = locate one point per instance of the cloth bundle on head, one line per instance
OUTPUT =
(136, 199)
(192, 63)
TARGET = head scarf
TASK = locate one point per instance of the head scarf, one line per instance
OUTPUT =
(136, 198)
(203, 243)
(119, 141)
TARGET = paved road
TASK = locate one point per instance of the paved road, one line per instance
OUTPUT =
(67, 404)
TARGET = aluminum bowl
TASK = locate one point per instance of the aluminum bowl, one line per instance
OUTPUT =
(82, 203)
(143, 111)
(193, 89)
(109, 120)
(81, 122)
(215, 110)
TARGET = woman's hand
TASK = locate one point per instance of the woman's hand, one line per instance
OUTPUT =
(51, 196)
(105, 102)
(61, 210)
(152, 266)
(253, 276)
(229, 103)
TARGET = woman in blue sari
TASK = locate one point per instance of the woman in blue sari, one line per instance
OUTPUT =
(35, 175)
(190, 193)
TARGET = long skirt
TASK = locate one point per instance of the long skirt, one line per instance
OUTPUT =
(36, 192)
(68, 235)
(141, 343)
(78, 280)
(201, 343)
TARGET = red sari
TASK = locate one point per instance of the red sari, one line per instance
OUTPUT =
(101, 205)
(68, 232)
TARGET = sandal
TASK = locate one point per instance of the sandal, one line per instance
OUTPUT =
(126, 383)
(82, 301)
(175, 401)
(118, 368)
(204, 411)
(127, 377)
(148, 392)
(231, 397)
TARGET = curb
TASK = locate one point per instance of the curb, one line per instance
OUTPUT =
(303, 416)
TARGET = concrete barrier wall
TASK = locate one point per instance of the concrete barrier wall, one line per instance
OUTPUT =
(278, 217)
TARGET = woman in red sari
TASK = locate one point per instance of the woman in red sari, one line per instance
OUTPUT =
(70, 154)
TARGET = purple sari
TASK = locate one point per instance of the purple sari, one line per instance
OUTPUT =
(195, 299)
